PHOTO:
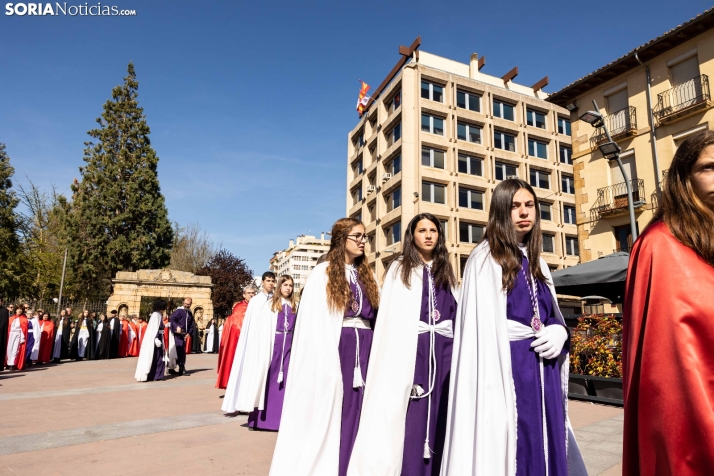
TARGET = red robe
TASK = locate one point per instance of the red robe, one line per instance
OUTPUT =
(22, 349)
(140, 331)
(187, 345)
(124, 339)
(47, 341)
(135, 346)
(667, 342)
(229, 341)
(167, 325)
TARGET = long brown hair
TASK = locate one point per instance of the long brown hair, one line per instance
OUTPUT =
(442, 270)
(338, 289)
(688, 219)
(502, 238)
(277, 300)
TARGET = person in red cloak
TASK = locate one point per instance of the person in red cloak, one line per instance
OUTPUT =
(141, 330)
(17, 340)
(47, 338)
(124, 337)
(668, 331)
(135, 346)
(166, 334)
(229, 339)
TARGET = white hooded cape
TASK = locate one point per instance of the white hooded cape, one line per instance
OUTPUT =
(146, 352)
(309, 437)
(241, 388)
(37, 334)
(481, 429)
(268, 325)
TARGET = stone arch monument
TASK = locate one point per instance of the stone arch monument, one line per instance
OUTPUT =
(131, 287)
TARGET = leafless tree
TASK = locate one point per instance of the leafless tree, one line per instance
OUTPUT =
(192, 248)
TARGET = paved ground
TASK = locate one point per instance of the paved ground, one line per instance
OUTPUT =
(92, 418)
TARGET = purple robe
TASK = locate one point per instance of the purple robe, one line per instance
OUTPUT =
(269, 418)
(413, 462)
(156, 372)
(352, 397)
(30, 341)
(530, 457)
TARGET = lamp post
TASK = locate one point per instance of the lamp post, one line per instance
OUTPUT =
(611, 151)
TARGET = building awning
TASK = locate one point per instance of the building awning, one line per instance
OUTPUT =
(604, 277)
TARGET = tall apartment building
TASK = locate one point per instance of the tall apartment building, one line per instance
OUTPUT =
(299, 258)
(649, 108)
(438, 137)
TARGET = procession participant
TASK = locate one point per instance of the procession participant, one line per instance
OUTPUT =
(134, 346)
(150, 365)
(667, 333)
(83, 343)
(17, 340)
(210, 346)
(124, 337)
(167, 325)
(105, 341)
(332, 342)
(35, 348)
(508, 391)
(231, 333)
(220, 334)
(98, 330)
(193, 341)
(182, 324)
(277, 325)
(30, 344)
(61, 345)
(403, 420)
(243, 370)
(5, 313)
(47, 333)
(141, 330)
(115, 329)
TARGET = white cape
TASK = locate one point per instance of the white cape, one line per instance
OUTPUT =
(309, 437)
(37, 334)
(481, 429)
(268, 324)
(146, 353)
(240, 391)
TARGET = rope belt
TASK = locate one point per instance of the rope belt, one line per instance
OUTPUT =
(284, 332)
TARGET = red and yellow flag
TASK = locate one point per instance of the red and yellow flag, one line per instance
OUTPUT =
(363, 98)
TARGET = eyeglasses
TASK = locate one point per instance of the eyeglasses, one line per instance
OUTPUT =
(358, 237)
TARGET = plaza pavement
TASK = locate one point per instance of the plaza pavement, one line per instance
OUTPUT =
(92, 418)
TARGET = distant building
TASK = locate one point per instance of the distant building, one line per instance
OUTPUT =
(299, 258)
(438, 137)
(648, 121)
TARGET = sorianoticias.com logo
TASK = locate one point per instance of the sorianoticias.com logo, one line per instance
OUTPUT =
(57, 9)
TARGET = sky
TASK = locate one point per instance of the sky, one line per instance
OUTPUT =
(250, 103)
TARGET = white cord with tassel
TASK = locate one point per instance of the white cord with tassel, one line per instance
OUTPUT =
(286, 324)
(357, 380)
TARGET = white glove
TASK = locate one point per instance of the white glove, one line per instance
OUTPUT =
(550, 342)
(157, 342)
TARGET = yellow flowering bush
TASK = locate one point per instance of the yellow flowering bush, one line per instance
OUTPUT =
(596, 346)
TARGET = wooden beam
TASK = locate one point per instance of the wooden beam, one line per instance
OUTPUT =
(481, 62)
(510, 75)
(540, 84)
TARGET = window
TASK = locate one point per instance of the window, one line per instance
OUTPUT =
(432, 91)
(356, 216)
(432, 124)
(563, 126)
(504, 141)
(502, 110)
(370, 243)
(470, 198)
(540, 179)
(470, 233)
(566, 155)
(356, 195)
(571, 246)
(548, 243)
(685, 71)
(395, 166)
(504, 171)
(357, 167)
(395, 102)
(394, 233)
(433, 192)
(372, 216)
(358, 141)
(394, 134)
(470, 165)
(462, 264)
(469, 101)
(569, 214)
(445, 229)
(468, 132)
(394, 199)
(432, 157)
(546, 211)
(623, 237)
(537, 149)
(567, 184)
(535, 118)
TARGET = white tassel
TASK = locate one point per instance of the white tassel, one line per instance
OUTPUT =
(357, 381)
(417, 390)
(427, 451)
(280, 377)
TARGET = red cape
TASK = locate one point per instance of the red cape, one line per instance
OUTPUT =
(229, 341)
(140, 331)
(167, 326)
(22, 350)
(134, 347)
(47, 341)
(667, 337)
(124, 339)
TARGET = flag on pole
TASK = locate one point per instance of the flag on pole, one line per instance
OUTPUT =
(363, 98)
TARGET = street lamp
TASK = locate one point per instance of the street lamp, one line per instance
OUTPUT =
(611, 151)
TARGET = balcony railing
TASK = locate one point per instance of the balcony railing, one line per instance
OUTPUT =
(621, 124)
(654, 198)
(682, 100)
(612, 200)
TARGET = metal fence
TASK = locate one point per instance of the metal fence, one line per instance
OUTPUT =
(50, 305)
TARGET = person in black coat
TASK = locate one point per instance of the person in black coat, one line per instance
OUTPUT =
(115, 326)
(105, 338)
(4, 319)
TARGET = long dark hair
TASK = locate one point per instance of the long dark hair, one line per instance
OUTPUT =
(502, 238)
(441, 267)
(688, 219)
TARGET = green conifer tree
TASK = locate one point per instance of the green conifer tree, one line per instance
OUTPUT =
(119, 220)
(10, 251)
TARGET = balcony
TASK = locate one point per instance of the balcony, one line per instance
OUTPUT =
(655, 198)
(612, 201)
(621, 124)
(683, 100)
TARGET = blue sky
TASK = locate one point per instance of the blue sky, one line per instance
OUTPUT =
(249, 103)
